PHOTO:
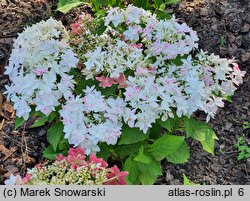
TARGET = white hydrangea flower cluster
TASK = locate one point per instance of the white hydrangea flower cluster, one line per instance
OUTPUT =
(114, 59)
(38, 68)
(158, 85)
(92, 119)
(143, 35)
(194, 85)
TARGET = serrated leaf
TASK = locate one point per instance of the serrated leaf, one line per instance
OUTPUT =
(19, 122)
(131, 167)
(165, 145)
(128, 149)
(168, 124)
(181, 155)
(40, 121)
(51, 154)
(131, 135)
(148, 173)
(208, 144)
(141, 157)
(65, 6)
(197, 130)
(55, 134)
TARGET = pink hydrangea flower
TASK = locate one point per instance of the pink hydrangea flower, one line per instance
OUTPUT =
(40, 72)
(116, 176)
(140, 45)
(60, 157)
(98, 161)
(75, 28)
(237, 75)
(26, 178)
(121, 80)
(106, 81)
(76, 157)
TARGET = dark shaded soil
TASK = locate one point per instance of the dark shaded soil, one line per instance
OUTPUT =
(223, 28)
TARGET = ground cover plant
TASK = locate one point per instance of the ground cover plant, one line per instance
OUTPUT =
(123, 85)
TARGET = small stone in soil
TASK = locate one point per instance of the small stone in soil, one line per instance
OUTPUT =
(203, 12)
(175, 182)
(245, 57)
(245, 28)
(231, 37)
(169, 176)
(232, 50)
(228, 126)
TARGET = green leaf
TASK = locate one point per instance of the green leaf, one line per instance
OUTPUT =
(158, 3)
(102, 2)
(109, 91)
(51, 154)
(181, 155)
(227, 98)
(132, 135)
(141, 3)
(19, 122)
(242, 147)
(247, 155)
(40, 121)
(125, 150)
(63, 145)
(163, 15)
(202, 132)
(65, 6)
(148, 173)
(141, 157)
(100, 27)
(55, 134)
(241, 156)
(171, 1)
(187, 182)
(168, 124)
(104, 151)
(208, 144)
(165, 145)
(82, 83)
(52, 116)
(197, 130)
(131, 167)
(155, 131)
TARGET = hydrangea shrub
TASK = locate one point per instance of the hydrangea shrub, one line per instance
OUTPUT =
(124, 85)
